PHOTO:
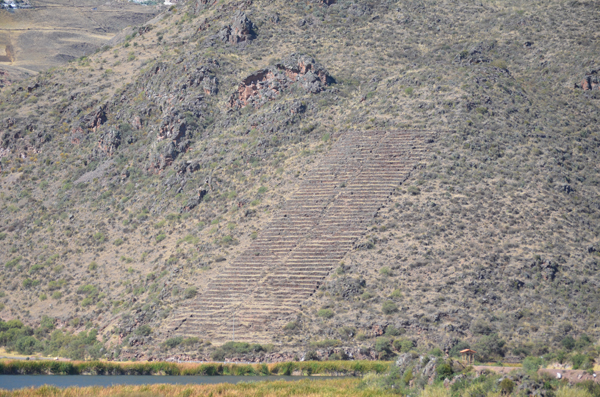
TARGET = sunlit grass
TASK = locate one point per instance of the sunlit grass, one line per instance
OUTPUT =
(307, 388)
(8, 367)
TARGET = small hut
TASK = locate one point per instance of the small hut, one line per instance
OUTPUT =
(468, 356)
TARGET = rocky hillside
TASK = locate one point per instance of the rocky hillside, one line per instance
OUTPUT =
(132, 178)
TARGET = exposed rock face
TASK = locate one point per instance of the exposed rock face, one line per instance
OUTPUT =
(590, 82)
(109, 142)
(241, 30)
(267, 84)
(172, 127)
(95, 119)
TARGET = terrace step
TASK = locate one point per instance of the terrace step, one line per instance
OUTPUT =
(306, 239)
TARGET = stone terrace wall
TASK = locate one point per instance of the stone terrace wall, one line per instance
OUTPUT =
(306, 240)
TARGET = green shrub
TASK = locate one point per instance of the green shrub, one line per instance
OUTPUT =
(385, 271)
(143, 330)
(35, 268)
(408, 376)
(403, 345)
(88, 289)
(568, 342)
(413, 190)
(161, 237)
(366, 295)
(444, 371)
(383, 346)
(218, 355)
(325, 343)
(389, 307)
(532, 364)
(325, 313)
(290, 326)
(27, 345)
(173, 342)
(507, 386)
(93, 266)
(489, 347)
(190, 292)
(436, 351)
(582, 361)
(28, 283)
(118, 242)
(456, 349)
(583, 342)
(13, 262)
(396, 294)
(392, 331)
(192, 340)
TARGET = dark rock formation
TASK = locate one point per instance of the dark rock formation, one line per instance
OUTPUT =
(241, 30)
(590, 82)
(109, 142)
(267, 84)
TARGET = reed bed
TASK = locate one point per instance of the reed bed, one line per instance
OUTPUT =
(20, 367)
(307, 388)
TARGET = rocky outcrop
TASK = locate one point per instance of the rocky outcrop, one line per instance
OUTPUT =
(590, 82)
(109, 142)
(241, 30)
(267, 84)
(203, 77)
(173, 127)
(95, 119)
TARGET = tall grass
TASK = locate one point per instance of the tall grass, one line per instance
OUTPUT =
(20, 367)
(435, 391)
(566, 391)
(310, 388)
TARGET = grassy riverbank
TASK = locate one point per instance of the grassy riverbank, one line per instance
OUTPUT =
(326, 387)
(20, 367)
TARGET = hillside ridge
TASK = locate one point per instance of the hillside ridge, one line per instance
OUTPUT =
(137, 183)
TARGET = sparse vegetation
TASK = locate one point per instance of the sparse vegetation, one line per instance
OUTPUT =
(130, 180)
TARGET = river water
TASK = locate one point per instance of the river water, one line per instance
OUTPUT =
(12, 382)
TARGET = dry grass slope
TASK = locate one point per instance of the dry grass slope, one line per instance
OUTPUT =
(129, 187)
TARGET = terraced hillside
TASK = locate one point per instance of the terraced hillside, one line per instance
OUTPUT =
(309, 236)
(138, 184)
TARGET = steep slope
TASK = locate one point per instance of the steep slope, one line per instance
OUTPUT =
(138, 182)
(307, 238)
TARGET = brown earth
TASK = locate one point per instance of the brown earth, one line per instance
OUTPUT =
(55, 32)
